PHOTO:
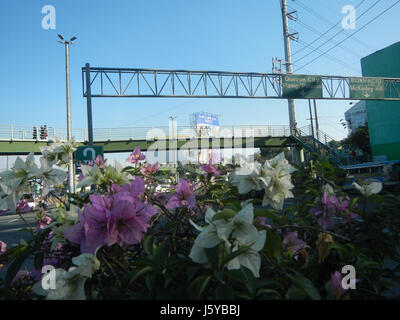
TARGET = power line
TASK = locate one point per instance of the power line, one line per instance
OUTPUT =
(317, 15)
(347, 49)
(336, 34)
(334, 59)
(320, 34)
(364, 26)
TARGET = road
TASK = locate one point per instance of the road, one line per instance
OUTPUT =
(10, 226)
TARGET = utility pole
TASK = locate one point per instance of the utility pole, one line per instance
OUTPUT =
(312, 124)
(288, 63)
(71, 175)
(175, 145)
(316, 119)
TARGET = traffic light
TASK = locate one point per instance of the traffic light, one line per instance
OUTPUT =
(43, 132)
(34, 133)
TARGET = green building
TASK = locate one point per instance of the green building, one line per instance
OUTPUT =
(384, 116)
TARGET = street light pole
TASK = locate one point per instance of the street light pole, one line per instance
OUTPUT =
(175, 145)
(288, 63)
(71, 175)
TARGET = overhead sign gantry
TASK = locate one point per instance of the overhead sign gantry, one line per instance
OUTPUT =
(157, 83)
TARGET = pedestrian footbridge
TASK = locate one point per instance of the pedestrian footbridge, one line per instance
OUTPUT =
(20, 140)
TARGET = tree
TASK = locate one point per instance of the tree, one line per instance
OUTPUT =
(360, 139)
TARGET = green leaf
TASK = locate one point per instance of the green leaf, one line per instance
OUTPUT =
(267, 214)
(273, 244)
(224, 292)
(14, 268)
(38, 261)
(306, 285)
(246, 277)
(295, 293)
(148, 244)
(159, 257)
(233, 255)
(197, 287)
(268, 292)
(140, 273)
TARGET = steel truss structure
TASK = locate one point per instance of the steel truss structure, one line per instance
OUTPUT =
(127, 82)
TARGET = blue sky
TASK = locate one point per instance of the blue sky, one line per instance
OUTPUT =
(227, 35)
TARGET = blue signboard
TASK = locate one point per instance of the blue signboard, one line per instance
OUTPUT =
(207, 119)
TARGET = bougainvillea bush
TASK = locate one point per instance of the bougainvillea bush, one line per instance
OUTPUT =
(267, 230)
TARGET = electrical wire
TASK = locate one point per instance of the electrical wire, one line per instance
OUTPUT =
(334, 59)
(320, 34)
(320, 17)
(347, 49)
(358, 30)
(339, 32)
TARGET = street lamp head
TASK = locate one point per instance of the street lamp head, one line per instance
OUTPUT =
(73, 39)
(60, 36)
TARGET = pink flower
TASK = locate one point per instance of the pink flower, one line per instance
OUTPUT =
(326, 211)
(80, 177)
(210, 169)
(136, 156)
(23, 206)
(332, 206)
(162, 198)
(129, 221)
(44, 222)
(100, 162)
(133, 189)
(121, 218)
(262, 221)
(3, 247)
(344, 212)
(293, 244)
(184, 196)
(149, 169)
(91, 230)
(336, 285)
(20, 276)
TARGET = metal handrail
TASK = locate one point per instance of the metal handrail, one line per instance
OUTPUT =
(25, 133)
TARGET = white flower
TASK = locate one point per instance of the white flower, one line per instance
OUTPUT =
(328, 189)
(70, 285)
(49, 176)
(247, 177)
(369, 187)
(93, 175)
(274, 177)
(14, 182)
(234, 233)
(62, 220)
(59, 152)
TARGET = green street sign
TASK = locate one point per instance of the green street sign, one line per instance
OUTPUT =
(85, 154)
(301, 86)
(366, 88)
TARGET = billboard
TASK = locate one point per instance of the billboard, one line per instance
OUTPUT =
(207, 125)
(206, 119)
